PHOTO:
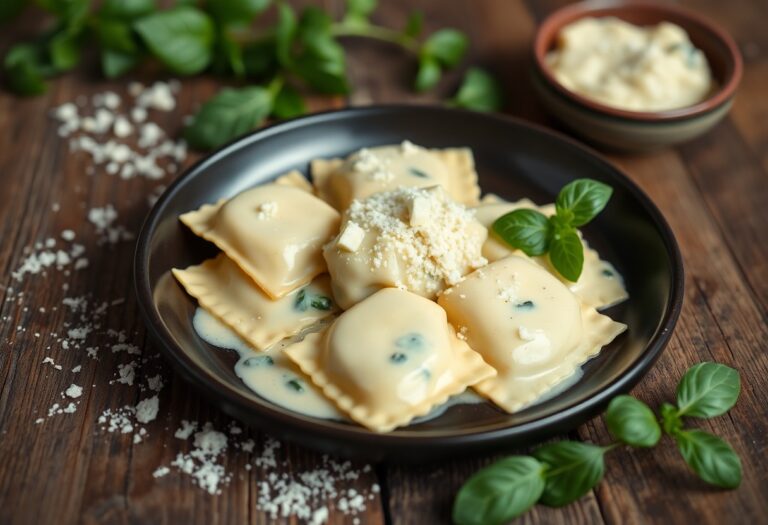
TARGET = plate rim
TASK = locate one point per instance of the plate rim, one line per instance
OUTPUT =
(292, 422)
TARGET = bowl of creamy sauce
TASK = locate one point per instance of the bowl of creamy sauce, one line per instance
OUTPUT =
(635, 76)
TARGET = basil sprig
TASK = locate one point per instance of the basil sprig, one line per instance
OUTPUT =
(559, 473)
(299, 52)
(536, 234)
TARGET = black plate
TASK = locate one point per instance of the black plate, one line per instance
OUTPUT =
(514, 160)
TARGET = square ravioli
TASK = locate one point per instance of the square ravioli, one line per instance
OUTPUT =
(389, 359)
(274, 232)
(599, 285)
(224, 290)
(384, 168)
(528, 326)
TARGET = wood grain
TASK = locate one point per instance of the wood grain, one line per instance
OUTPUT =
(713, 192)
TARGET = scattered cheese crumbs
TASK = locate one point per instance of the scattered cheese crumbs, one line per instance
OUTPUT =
(351, 238)
(39, 420)
(266, 210)
(146, 410)
(102, 219)
(74, 391)
(127, 373)
(409, 148)
(202, 462)
(373, 165)
(68, 235)
(155, 383)
(77, 369)
(160, 472)
(186, 430)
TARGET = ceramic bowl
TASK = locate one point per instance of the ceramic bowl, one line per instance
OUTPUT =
(514, 159)
(633, 130)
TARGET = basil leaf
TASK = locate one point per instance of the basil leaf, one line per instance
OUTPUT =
(117, 63)
(236, 12)
(321, 62)
(64, 50)
(479, 91)
(710, 457)
(573, 469)
(708, 390)
(229, 114)
(358, 12)
(288, 103)
(9, 9)
(260, 58)
(181, 38)
(116, 35)
(285, 30)
(414, 25)
(72, 12)
(229, 55)
(632, 422)
(24, 69)
(579, 201)
(499, 492)
(428, 75)
(526, 230)
(670, 420)
(447, 46)
(127, 10)
(567, 254)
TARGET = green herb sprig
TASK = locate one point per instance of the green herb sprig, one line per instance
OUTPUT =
(559, 473)
(301, 51)
(536, 234)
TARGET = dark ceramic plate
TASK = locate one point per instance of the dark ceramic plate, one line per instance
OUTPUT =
(514, 160)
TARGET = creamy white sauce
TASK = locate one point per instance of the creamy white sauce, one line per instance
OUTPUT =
(269, 374)
(270, 381)
(636, 68)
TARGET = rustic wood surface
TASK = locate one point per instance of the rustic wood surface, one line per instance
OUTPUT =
(713, 191)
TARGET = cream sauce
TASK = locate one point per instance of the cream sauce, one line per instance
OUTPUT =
(269, 374)
(635, 68)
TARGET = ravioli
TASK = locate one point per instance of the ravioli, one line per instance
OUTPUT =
(389, 359)
(412, 238)
(296, 179)
(384, 168)
(224, 290)
(528, 326)
(600, 284)
(274, 232)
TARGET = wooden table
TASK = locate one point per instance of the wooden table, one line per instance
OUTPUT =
(66, 469)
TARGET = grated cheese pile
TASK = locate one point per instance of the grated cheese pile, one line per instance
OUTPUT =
(435, 240)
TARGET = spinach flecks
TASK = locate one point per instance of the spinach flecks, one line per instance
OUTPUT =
(607, 273)
(412, 341)
(262, 360)
(525, 306)
(300, 303)
(416, 172)
(305, 300)
(295, 384)
(398, 357)
(321, 302)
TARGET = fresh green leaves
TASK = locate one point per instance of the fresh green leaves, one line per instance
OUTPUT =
(581, 200)
(708, 390)
(632, 422)
(562, 472)
(181, 38)
(500, 492)
(577, 203)
(573, 469)
(301, 50)
(710, 457)
(229, 114)
(479, 92)
(526, 230)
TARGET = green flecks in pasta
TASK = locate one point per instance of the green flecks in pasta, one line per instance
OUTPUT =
(525, 306)
(295, 384)
(426, 374)
(416, 172)
(411, 341)
(305, 300)
(607, 273)
(398, 357)
(262, 360)
(321, 302)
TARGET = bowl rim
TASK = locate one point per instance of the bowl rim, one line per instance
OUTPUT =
(457, 441)
(553, 23)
